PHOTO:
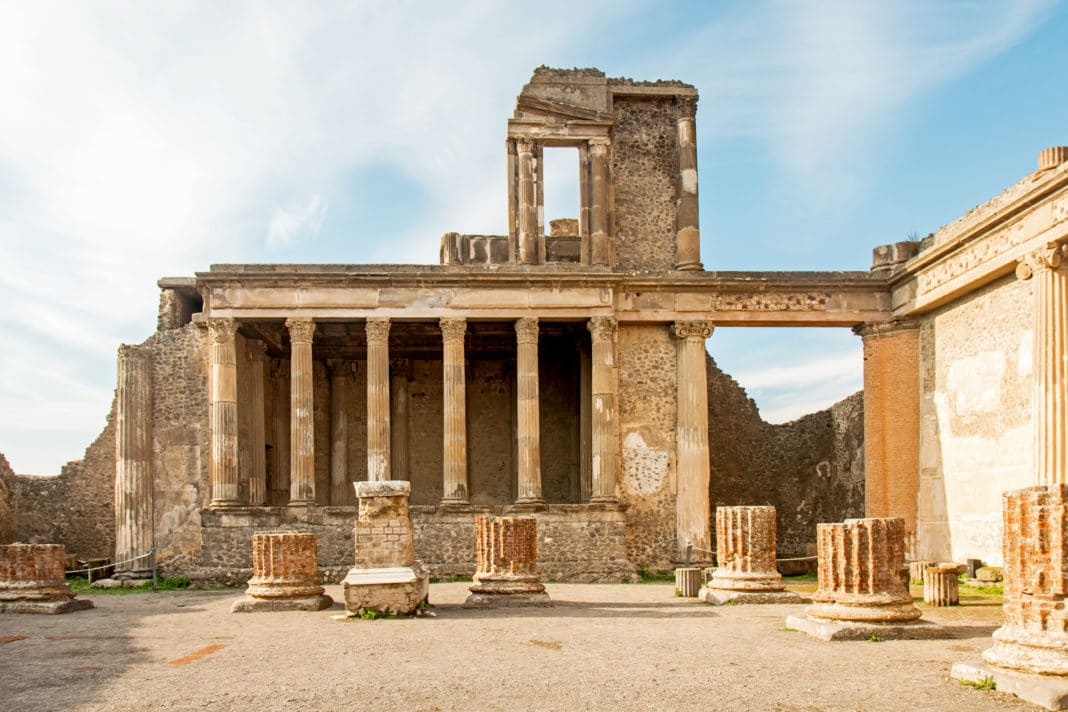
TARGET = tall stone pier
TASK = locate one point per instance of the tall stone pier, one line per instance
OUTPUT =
(746, 543)
(285, 574)
(32, 580)
(507, 572)
(692, 508)
(386, 578)
(133, 464)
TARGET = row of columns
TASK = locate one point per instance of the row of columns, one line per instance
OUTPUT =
(602, 413)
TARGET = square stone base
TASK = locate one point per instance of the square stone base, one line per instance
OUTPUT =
(507, 600)
(1049, 691)
(68, 605)
(249, 604)
(396, 591)
(719, 596)
(840, 630)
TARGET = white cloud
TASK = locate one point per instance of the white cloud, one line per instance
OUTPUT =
(296, 222)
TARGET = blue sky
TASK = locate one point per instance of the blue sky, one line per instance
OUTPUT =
(139, 140)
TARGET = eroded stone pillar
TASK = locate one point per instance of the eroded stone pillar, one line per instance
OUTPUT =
(691, 439)
(687, 225)
(224, 492)
(301, 413)
(1050, 273)
(32, 580)
(340, 383)
(528, 420)
(378, 457)
(746, 541)
(600, 247)
(528, 210)
(133, 462)
(455, 456)
(892, 423)
(604, 415)
(940, 586)
(400, 376)
(285, 574)
(507, 574)
(257, 446)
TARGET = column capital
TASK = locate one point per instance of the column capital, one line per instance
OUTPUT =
(687, 107)
(301, 329)
(599, 145)
(692, 329)
(222, 330)
(602, 328)
(526, 330)
(524, 145)
(377, 330)
(453, 329)
(885, 328)
(1049, 257)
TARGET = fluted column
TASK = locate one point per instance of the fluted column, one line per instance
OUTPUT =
(599, 241)
(746, 539)
(301, 413)
(133, 461)
(691, 437)
(400, 375)
(257, 483)
(223, 413)
(341, 492)
(585, 426)
(528, 423)
(604, 416)
(280, 453)
(455, 457)
(1050, 273)
(687, 225)
(528, 210)
(378, 465)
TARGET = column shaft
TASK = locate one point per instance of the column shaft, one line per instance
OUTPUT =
(687, 225)
(528, 210)
(223, 413)
(341, 492)
(455, 490)
(585, 427)
(301, 413)
(691, 434)
(257, 483)
(599, 242)
(280, 452)
(528, 418)
(604, 425)
(378, 444)
(133, 460)
(399, 378)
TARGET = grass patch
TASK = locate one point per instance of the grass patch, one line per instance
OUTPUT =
(874, 638)
(450, 579)
(81, 585)
(788, 629)
(370, 614)
(813, 576)
(647, 576)
(994, 589)
(986, 683)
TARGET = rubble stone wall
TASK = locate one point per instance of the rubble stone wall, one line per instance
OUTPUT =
(9, 522)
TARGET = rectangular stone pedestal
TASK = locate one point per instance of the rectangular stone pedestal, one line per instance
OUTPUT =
(396, 590)
(46, 607)
(836, 630)
(719, 597)
(1048, 691)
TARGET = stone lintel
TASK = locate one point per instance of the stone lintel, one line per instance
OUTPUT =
(841, 630)
(383, 488)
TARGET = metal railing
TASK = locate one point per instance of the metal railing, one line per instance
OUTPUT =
(151, 556)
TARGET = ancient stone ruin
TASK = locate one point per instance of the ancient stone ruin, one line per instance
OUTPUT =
(745, 553)
(285, 574)
(386, 578)
(33, 580)
(940, 586)
(507, 573)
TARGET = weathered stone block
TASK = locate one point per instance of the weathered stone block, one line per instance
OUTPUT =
(33, 580)
(940, 586)
(507, 572)
(989, 574)
(687, 582)
(745, 549)
(285, 574)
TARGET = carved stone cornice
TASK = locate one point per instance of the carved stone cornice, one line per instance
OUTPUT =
(377, 330)
(687, 106)
(599, 145)
(692, 329)
(526, 330)
(453, 330)
(885, 328)
(301, 329)
(602, 328)
(222, 330)
(1045, 258)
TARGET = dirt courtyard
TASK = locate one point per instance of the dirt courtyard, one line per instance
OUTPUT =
(600, 647)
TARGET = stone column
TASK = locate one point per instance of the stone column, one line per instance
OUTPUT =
(378, 465)
(860, 562)
(604, 417)
(1050, 273)
(257, 484)
(133, 462)
(507, 572)
(892, 423)
(285, 574)
(940, 586)
(399, 378)
(455, 426)
(223, 413)
(600, 249)
(280, 454)
(528, 438)
(687, 225)
(746, 540)
(691, 437)
(301, 413)
(528, 210)
(340, 379)
(32, 580)
(585, 426)
(513, 197)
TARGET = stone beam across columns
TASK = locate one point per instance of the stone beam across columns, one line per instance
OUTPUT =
(224, 492)
(599, 239)
(133, 462)
(301, 413)
(528, 421)
(604, 414)
(687, 225)
(455, 490)
(378, 445)
(691, 437)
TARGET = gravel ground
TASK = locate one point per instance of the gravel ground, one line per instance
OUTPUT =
(599, 647)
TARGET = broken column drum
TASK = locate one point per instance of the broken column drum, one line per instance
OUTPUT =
(746, 542)
(507, 572)
(32, 580)
(940, 586)
(285, 574)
